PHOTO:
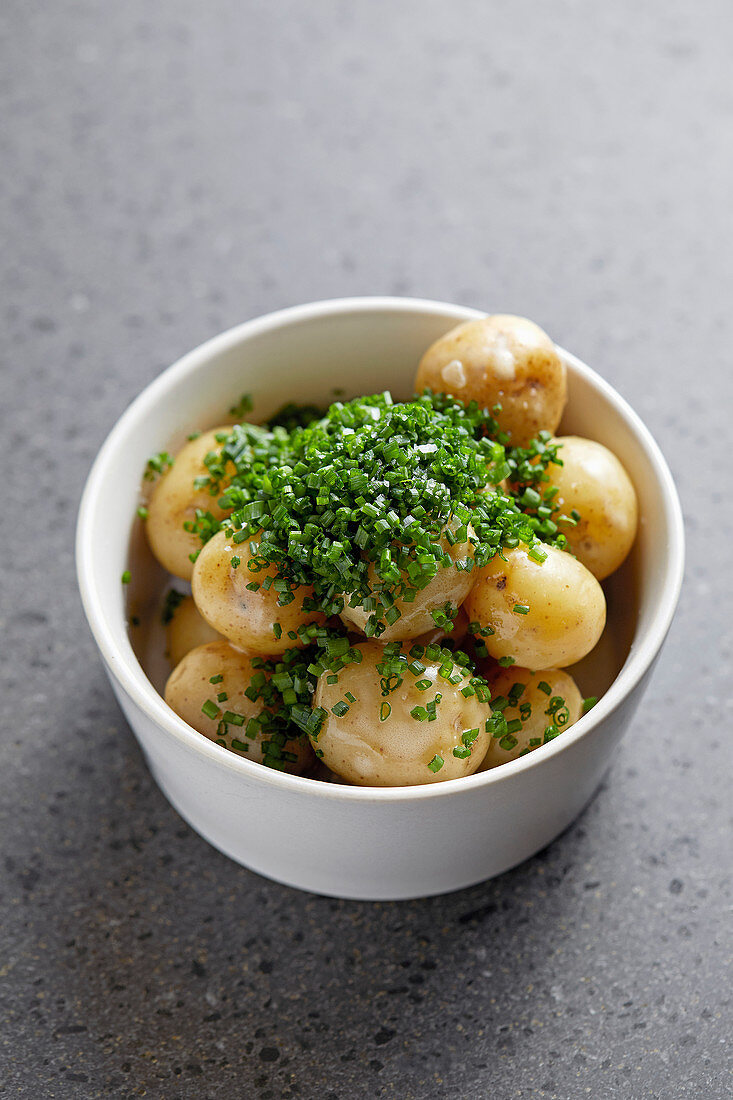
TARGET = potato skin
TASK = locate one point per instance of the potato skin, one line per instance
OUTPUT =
(396, 752)
(500, 359)
(567, 608)
(560, 683)
(246, 618)
(449, 585)
(187, 630)
(174, 502)
(593, 481)
(189, 687)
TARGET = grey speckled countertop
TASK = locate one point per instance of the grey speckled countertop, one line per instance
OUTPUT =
(170, 169)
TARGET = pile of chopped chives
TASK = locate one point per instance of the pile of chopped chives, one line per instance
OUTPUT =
(359, 504)
(375, 484)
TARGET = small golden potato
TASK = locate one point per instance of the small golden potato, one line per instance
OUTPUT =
(378, 742)
(449, 585)
(174, 502)
(187, 630)
(546, 615)
(248, 619)
(555, 684)
(593, 481)
(189, 688)
(500, 360)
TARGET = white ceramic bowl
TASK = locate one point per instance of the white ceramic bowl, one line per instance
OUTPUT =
(359, 842)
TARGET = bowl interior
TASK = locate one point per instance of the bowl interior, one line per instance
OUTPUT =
(313, 354)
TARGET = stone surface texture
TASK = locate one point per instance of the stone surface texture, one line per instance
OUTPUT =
(171, 169)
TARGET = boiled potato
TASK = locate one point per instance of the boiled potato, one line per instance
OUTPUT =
(449, 585)
(564, 609)
(186, 630)
(189, 688)
(505, 360)
(555, 684)
(593, 481)
(377, 742)
(246, 618)
(174, 502)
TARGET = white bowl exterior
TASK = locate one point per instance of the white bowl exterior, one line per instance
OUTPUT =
(375, 849)
(330, 838)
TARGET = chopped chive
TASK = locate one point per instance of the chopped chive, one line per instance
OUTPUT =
(232, 718)
(244, 405)
(436, 763)
(210, 709)
(126, 577)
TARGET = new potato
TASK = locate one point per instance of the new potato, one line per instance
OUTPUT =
(531, 736)
(187, 630)
(245, 617)
(500, 359)
(451, 584)
(566, 608)
(174, 502)
(592, 480)
(365, 750)
(189, 687)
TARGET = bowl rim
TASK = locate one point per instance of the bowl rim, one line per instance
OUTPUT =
(132, 679)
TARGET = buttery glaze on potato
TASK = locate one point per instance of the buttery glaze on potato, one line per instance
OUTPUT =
(502, 360)
(449, 585)
(187, 630)
(189, 687)
(566, 608)
(245, 617)
(593, 481)
(501, 682)
(174, 502)
(364, 750)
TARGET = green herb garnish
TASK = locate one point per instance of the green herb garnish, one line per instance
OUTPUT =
(171, 601)
(243, 406)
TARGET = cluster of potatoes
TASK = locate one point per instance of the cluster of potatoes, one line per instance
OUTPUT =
(214, 633)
